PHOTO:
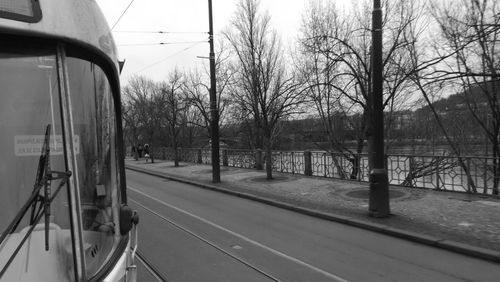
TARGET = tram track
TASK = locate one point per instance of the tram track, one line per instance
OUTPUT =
(153, 270)
(150, 267)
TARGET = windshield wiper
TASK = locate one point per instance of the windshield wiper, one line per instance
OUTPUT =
(43, 179)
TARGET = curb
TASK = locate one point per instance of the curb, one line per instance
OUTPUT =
(445, 244)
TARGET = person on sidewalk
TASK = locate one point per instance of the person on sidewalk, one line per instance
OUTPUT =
(139, 150)
(146, 152)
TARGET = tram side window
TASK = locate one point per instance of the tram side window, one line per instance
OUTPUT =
(94, 126)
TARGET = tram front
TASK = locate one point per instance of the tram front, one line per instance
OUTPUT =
(63, 213)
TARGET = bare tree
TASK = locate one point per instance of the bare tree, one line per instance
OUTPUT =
(466, 60)
(197, 88)
(144, 108)
(130, 123)
(175, 104)
(336, 58)
(322, 74)
(192, 124)
(472, 31)
(265, 90)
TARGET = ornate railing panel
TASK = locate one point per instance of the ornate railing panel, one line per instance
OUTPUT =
(206, 156)
(241, 158)
(188, 155)
(464, 174)
(336, 165)
(288, 162)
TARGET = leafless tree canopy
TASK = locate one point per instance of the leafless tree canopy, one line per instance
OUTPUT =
(265, 90)
(464, 58)
(440, 72)
(334, 60)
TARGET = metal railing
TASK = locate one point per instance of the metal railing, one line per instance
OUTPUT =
(463, 174)
(288, 162)
(238, 158)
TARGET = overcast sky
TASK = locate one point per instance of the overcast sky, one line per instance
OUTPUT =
(188, 22)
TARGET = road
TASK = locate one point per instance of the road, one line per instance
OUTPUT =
(192, 234)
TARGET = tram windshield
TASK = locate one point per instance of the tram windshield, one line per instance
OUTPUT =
(30, 104)
(31, 120)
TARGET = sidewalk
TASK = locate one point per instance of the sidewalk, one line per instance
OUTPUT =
(468, 224)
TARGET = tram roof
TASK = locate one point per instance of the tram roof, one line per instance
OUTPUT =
(79, 22)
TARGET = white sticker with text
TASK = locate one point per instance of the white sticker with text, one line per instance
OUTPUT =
(31, 145)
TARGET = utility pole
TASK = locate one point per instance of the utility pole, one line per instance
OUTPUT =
(379, 184)
(214, 112)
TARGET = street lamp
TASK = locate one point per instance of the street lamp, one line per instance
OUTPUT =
(379, 184)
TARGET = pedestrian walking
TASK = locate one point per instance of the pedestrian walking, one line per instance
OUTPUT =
(139, 150)
(146, 152)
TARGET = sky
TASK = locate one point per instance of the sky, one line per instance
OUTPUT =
(187, 24)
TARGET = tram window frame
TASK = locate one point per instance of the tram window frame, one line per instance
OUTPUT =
(91, 55)
(36, 17)
(88, 53)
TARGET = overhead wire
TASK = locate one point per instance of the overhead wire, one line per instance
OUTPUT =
(126, 9)
(166, 58)
(159, 43)
(161, 32)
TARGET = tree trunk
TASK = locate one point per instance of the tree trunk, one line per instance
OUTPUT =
(356, 159)
(269, 159)
(174, 146)
(496, 172)
(151, 155)
(136, 151)
(176, 154)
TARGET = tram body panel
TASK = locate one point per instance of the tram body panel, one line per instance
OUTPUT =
(85, 25)
(61, 165)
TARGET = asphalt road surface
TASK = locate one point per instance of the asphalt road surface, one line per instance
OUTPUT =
(192, 234)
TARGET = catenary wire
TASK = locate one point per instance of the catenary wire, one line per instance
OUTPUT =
(126, 9)
(159, 43)
(161, 32)
(166, 58)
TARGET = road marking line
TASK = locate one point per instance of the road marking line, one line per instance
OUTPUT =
(276, 252)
